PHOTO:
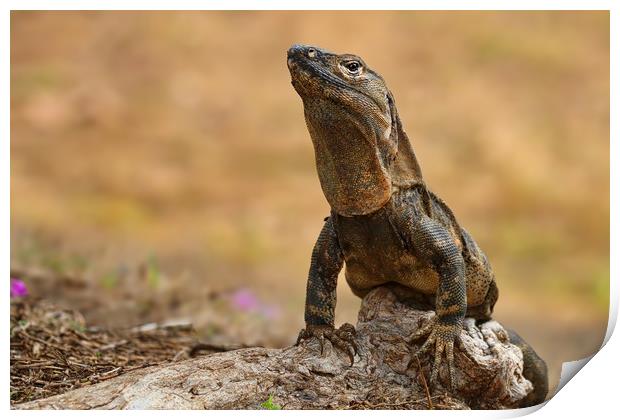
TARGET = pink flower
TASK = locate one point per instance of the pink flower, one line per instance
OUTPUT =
(18, 288)
(244, 300)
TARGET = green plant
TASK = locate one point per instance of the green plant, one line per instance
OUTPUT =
(152, 272)
(109, 281)
(76, 326)
(270, 405)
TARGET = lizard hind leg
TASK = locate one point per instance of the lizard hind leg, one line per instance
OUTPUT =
(534, 370)
(484, 311)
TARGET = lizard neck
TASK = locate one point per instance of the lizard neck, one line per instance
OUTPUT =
(352, 167)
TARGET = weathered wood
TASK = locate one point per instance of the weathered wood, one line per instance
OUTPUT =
(489, 373)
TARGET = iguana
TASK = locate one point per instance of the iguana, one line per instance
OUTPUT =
(385, 225)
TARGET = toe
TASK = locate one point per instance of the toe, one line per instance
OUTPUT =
(425, 330)
(427, 344)
(348, 336)
(347, 328)
(439, 348)
(321, 338)
(341, 344)
(450, 359)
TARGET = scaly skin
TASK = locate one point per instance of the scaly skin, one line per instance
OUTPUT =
(385, 226)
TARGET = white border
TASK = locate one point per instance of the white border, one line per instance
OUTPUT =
(595, 390)
(311, 5)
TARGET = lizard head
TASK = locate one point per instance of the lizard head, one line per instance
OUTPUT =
(354, 126)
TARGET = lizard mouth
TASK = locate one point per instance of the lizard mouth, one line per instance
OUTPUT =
(309, 74)
(296, 55)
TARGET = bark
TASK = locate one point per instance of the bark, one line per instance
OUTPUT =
(384, 374)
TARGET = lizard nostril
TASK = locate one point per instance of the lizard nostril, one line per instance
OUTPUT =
(295, 50)
(311, 52)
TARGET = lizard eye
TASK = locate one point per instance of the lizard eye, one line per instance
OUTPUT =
(353, 67)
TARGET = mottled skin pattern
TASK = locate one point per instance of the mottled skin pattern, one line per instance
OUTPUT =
(385, 226)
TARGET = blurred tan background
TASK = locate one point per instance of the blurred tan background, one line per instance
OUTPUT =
(161, 167)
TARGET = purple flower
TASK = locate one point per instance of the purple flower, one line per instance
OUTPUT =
(18, 288)
(244, 300)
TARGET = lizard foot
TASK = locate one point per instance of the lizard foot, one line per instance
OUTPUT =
(342, 338)
(443, 336)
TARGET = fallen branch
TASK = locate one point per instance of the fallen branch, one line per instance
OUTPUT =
(383, 375)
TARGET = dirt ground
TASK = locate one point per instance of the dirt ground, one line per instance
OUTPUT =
(53, 351)
(161, 170)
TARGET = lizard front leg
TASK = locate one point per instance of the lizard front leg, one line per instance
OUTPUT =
(326, 263)
(434, 244)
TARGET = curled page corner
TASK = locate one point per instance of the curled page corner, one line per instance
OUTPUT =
(570, 369)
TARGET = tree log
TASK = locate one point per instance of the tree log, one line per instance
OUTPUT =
(489, 373)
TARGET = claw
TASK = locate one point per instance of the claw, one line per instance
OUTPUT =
(351, 355)
(355, 348)
(301, 337)
(443, 337)
(342, 338)
(342, 341)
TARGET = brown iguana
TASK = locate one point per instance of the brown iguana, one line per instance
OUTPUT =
(385, 225)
